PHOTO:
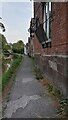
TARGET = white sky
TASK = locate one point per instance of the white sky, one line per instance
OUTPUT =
(16, 17)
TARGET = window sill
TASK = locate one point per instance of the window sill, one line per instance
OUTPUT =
(49, 40)
(47, 44)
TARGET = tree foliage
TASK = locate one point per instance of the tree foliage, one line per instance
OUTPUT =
(18, 47)
(2, 27)
(3, 42)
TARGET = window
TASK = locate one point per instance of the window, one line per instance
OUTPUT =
(47, 20)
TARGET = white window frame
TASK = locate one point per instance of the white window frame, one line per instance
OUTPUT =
(47, 8)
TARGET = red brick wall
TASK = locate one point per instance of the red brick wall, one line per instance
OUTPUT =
(58, 73)
(59, 26)
(37, 46)
(58, 29)
(67, 27)
(37, 12)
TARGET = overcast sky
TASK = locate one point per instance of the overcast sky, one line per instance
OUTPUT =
(16, 17)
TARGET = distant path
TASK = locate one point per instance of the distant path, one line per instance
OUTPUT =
(27, 98)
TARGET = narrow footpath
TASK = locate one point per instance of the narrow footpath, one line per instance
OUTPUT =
(27, 99)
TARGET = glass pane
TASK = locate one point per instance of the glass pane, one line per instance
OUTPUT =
(49, 6)
(46, 8)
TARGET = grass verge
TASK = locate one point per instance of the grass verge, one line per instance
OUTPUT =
(7, 75)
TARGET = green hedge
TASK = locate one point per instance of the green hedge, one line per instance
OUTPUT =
(7, 75)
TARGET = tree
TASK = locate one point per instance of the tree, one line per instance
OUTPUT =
(3, 41)
(7, 48)
(4, 44)
(18, 47)
(2, 26)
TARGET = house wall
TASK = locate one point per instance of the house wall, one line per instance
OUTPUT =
(53, 61)
(37, 46)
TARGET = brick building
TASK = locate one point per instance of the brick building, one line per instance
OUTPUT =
(50, 40)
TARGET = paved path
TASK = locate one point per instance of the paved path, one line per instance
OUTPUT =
(27, 98)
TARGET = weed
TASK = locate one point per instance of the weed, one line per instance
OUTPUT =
(56, 92)
(63, 102)
(37, 70)
(63, 107)
(50, 88)
(38, 73)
